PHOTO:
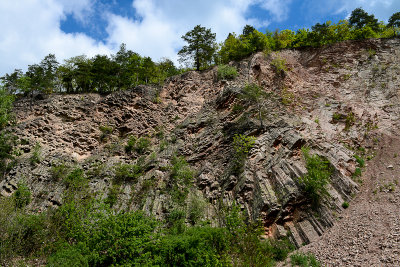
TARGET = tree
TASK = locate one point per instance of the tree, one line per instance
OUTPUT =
(252, 93)
(359, 18)
(201, 47)
(247, 30)
(394, 21)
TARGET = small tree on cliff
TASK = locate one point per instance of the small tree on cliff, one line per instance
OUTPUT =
(394, 22)
(201, 47)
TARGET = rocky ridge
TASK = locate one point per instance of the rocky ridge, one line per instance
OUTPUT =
(337, 100)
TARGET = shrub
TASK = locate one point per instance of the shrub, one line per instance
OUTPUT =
(22, 195)
(242, 144)
(76, 180)
(36, 154)
(106, 131)
(68, 256)
(226, 72)
(7, 143)
(315, 183)
(59, 172)
(128, 172)
(181, 178)
(360, 161)
(140, 145)
(304, 260)
(345, 205)
(279, 65)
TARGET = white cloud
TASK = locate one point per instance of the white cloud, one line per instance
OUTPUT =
(382, 9)
(279, 9)
(31, 30)
(162, 23)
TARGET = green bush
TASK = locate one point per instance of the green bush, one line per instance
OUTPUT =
(68, 256)
(242, 144)
(345, 205)
(22, 195)
(226, 72)
(36, 156)
(140, 145)
(76, 181)
(7, 144)
(360, 161)
(59, 172)
(106, 131)
(128, 172)
(315, 183)
(279, 65)
(304, 260)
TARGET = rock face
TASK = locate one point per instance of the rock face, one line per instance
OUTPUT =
(335, 100)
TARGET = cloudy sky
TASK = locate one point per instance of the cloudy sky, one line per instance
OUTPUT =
(31, 29)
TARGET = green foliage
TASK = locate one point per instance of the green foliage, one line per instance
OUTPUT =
(315, 183)
(36, 156)
(140, 145)
(128, 172)
(106, 131)
(112, 196)
(22, 195)
(196, 209)
(279, 65)
(304, 260)
(7, 144)
(59, 172)
(6, 105)
(226, 72)
(360, 161)
(242, 144)
(345, 204)
(200, 49)
(254, 94)
(67, 256)
(76, 181)
(180, 179)
(21, 234)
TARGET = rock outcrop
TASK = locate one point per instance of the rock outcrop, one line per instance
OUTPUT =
(335, 100)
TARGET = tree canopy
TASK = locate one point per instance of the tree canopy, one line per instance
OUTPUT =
(200, 47)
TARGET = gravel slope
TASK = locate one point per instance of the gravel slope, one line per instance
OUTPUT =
(368, 232)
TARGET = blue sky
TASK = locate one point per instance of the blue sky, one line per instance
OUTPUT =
(34, 28)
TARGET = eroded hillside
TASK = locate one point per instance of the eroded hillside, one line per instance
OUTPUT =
(338, 100)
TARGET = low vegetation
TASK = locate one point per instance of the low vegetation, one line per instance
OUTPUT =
(315, 182)
(226, 72)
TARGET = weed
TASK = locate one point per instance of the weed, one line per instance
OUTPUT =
(345, 205)
(350, 119)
